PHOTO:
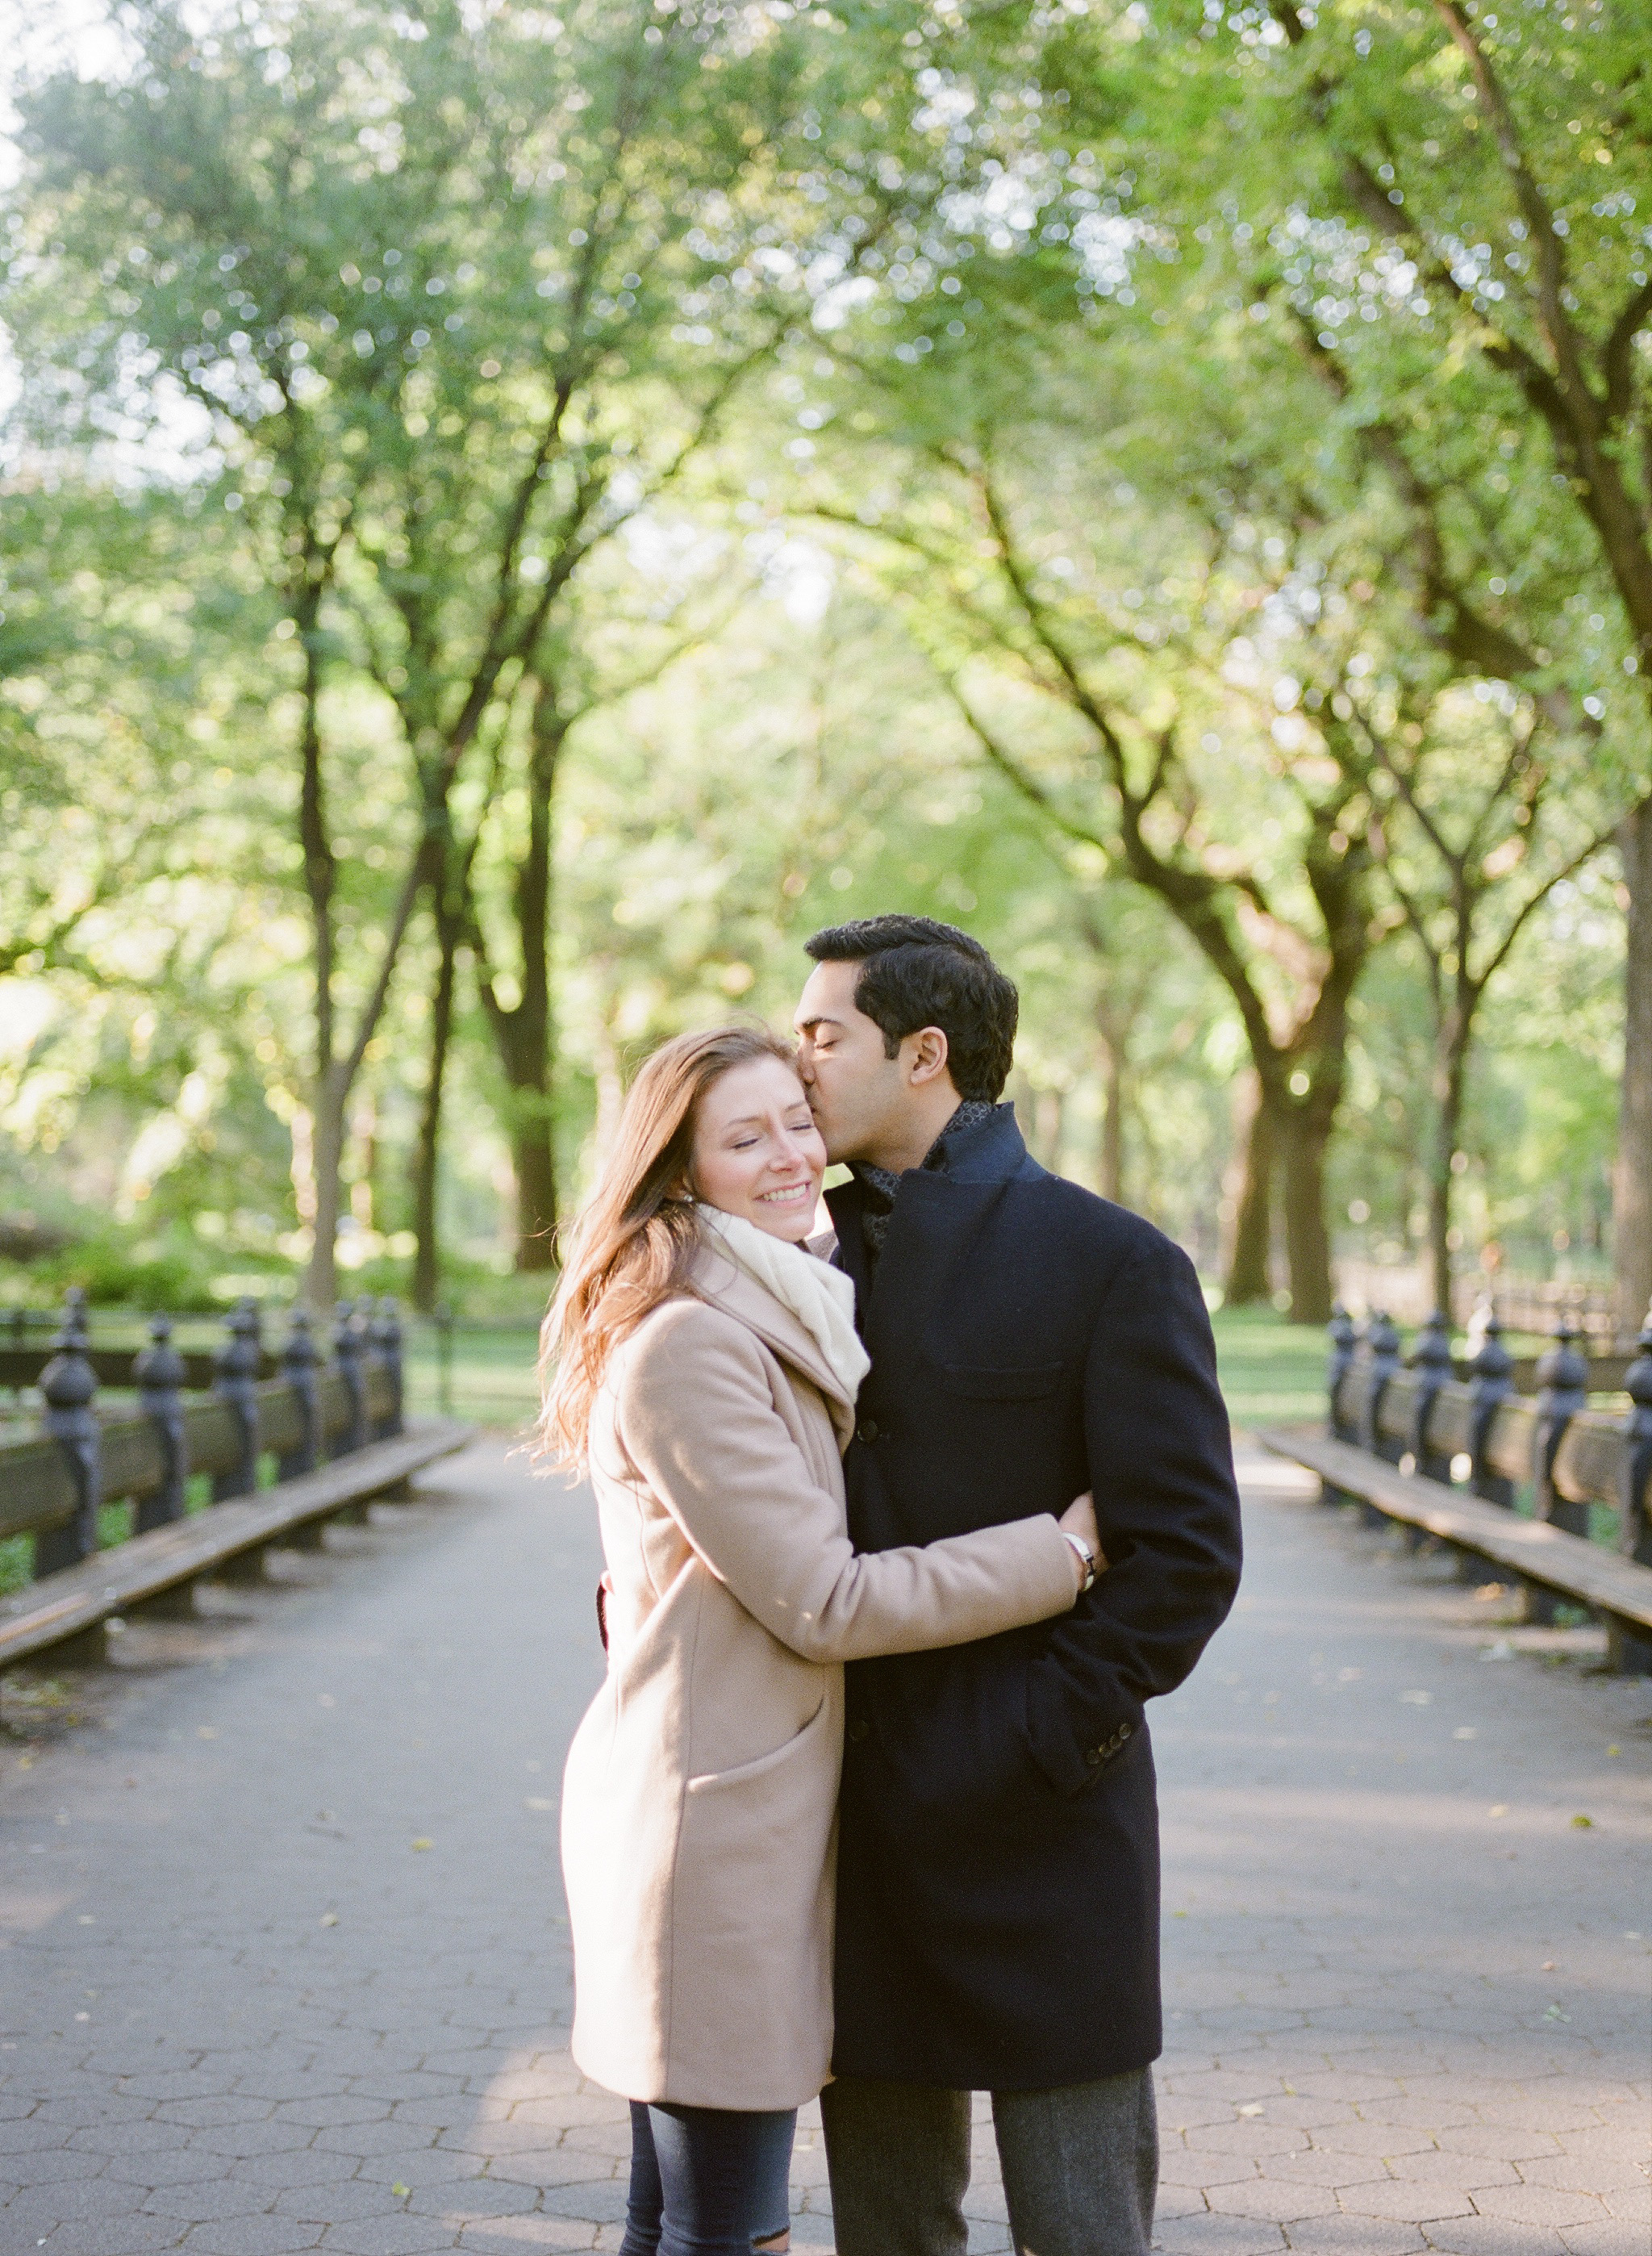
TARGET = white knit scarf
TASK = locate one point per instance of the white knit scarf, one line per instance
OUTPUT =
(820, 1297)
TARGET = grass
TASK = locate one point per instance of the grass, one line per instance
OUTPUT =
(1272, 1373)
(491, 1379)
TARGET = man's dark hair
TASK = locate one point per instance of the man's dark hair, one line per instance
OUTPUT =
(914, 973)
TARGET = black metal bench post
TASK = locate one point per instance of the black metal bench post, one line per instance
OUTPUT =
(300, 1359)
(158, 1372)
(237, 1365)
(1492, 1375)
(1343, 1339)
(346, 1351)
(1562, 1390)
(1383, 1344)
(69, 1387)
(385, 1334)
(1432, 1360)
(1625, 1651)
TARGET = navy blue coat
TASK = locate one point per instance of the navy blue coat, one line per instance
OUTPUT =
(998, 1915)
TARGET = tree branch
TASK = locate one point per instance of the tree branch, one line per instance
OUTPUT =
(1617, 355)
(1534, 205)
(1500, 956)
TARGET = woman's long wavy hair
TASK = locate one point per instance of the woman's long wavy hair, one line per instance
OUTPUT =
(632, 1245)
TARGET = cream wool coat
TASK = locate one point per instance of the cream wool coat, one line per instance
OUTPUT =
(699, 1807)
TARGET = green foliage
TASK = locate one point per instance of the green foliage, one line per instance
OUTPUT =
(1272, 1373)
(1073, 473)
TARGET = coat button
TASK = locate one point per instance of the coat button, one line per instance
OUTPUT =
(866, 1430)
(1095, 1756)
(858, 1730)
(1124, 1734)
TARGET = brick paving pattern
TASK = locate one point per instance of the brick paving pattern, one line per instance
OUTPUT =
(284, 1962)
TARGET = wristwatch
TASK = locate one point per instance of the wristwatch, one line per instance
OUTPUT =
(1087, 1558)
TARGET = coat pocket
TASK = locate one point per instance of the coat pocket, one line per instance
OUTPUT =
(800, 1743)
(1018, 1382)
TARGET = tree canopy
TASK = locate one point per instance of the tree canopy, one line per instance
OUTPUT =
(514, 517)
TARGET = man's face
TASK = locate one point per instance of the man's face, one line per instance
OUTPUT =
(855, 1092)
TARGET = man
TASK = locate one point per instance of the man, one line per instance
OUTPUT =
(998, 1923)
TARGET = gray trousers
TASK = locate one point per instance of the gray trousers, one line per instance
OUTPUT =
(1080, 2165)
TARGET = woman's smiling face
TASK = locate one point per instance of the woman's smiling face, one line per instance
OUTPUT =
(758, 1152)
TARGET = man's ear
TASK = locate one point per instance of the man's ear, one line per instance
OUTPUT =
(926, 1058)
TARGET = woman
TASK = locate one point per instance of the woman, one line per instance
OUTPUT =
(703, 1365)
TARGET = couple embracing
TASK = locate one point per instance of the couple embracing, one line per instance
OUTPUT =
(904, 1523)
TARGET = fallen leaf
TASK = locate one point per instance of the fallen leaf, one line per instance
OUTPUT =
(1554, 2013)
(329, 1919)
(400, 2191)
(1498, 1809)
(1615, 1750)
(1548, 1966)
(1582, 1823)
(422, 1842)
(1501, 1651)
(1254, 2108)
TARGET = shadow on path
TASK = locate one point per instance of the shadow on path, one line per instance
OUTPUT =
(284, 1959)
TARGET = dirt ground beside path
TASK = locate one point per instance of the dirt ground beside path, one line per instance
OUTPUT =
(284, 1963)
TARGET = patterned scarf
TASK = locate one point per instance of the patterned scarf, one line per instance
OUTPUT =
(879, 1185)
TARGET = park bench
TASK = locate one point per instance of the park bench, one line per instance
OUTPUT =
(1411, 1442)
(335, 1439)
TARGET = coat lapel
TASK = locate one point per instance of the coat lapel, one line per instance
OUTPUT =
(716, 1279)
(937, 1218)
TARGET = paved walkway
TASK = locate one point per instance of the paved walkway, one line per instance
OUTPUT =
(287, 1968)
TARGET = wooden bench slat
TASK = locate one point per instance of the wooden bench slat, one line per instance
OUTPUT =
(36, 1493)
(1591, 1453)
(1568, 1564)
(83, 1596)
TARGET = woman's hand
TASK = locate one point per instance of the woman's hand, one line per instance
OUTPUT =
(1079, 1519)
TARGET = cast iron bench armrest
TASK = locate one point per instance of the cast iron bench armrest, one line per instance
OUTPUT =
(78, 1597)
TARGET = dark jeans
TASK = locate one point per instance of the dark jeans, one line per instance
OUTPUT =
(707, 2181)
(1080, 2166)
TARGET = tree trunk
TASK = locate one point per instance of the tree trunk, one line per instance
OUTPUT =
(321, 1284)
(524, 1032)
(534, 1158)
(1452, 1039)
(1307, 1241)
(1247, 1279)
(1631, 1180)
(427, 1153)
(320, 872)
